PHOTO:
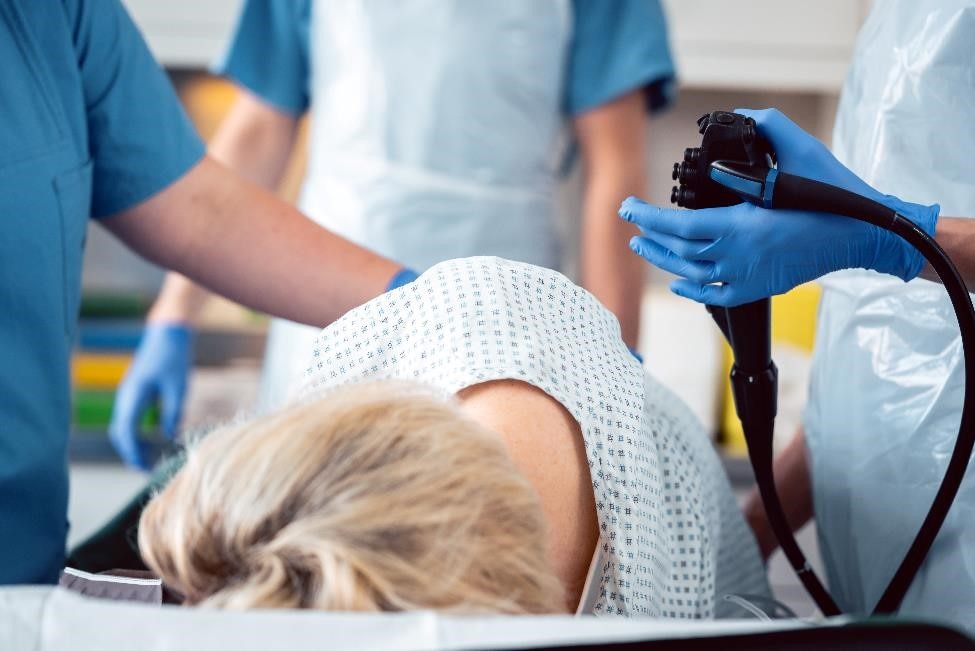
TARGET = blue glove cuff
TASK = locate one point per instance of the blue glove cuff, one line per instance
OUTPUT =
(911, 262)
(172, 331)
(924, 216)
(403, 277)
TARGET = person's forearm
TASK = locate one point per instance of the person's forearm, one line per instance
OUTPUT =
(613, 140)
(956, 236)
(254, 141)
(244, 243)
(609, 269)
(180, 301)
(792, 481)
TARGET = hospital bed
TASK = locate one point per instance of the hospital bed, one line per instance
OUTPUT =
(54, 619)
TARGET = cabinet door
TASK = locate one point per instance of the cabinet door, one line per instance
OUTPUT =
(793, 45)
(185, 33)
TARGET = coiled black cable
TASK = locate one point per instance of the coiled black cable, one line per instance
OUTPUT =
(798, 193)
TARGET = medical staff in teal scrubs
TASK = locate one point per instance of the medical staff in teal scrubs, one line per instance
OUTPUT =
(437, 132)
(90, 127)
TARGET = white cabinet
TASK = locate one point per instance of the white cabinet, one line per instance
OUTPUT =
(185, 33)
(781, 45)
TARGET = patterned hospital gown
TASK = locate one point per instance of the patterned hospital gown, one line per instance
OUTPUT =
(672, 538)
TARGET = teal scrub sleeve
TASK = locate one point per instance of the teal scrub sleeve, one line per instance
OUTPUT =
(618, 47)
(139, 138)
(268, 54)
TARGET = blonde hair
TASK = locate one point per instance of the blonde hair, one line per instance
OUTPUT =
(373, 497)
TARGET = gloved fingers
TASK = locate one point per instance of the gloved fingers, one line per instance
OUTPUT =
(702, 224)
(126, 447)
(687, 249)
(771, 122)
(123, 430)
(776, 127)
(171, 396)
(801, 153)
(709, 294)
(798, 151)
(699, 271)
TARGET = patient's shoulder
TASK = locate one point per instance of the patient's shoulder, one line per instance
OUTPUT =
(546, 444)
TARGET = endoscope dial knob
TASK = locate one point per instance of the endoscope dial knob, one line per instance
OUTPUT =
(685, 173)
(683, 197)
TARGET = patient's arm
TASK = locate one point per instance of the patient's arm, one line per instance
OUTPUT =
(546, 444)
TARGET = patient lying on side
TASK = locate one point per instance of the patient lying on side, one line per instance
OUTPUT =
(479, 441)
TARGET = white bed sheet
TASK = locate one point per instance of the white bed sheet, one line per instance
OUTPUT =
(53, 619)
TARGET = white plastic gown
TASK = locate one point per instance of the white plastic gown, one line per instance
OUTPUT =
(431, 143)
(888, 374)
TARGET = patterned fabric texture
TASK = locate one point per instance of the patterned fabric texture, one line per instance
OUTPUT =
(671, 535)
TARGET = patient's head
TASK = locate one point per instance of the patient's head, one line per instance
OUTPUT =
(373, 497)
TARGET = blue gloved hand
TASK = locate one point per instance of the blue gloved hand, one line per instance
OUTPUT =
(403, 277)
(737, 254)
(160, 369)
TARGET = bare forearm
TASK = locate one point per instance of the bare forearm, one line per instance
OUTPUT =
(244, 243)
(792, 481)
(613, 140)
(255, 142)
(180, 301)
(609, 269)
(956, 236)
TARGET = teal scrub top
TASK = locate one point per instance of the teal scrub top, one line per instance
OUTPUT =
(616, 47)
(90, 127)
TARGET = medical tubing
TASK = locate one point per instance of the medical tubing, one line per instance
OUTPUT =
(957, 465)
(755, 402)
(794, 192)
(754, 385)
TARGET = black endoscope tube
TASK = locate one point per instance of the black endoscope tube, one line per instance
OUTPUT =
(754, 386)
(761, 460)
(798, 193)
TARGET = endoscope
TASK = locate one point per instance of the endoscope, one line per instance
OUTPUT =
(734, 164)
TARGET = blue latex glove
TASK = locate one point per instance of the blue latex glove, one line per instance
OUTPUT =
(159, 370)
(756, 253)
(403, 277)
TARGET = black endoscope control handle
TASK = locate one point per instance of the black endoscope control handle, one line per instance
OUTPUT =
(754, 377)
(749, 333)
